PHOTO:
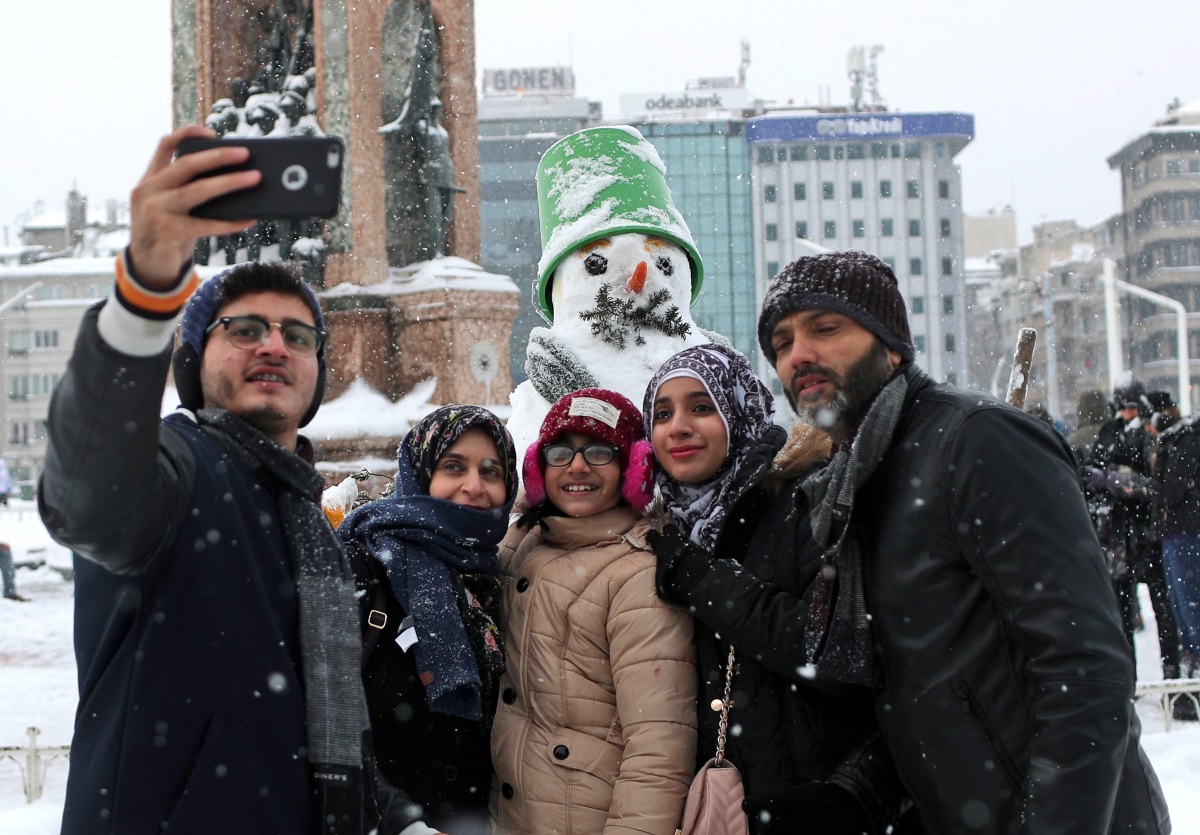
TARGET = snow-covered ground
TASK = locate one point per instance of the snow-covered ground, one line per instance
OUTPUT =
(38, 688)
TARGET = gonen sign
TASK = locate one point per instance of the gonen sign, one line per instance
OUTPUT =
(519, 81)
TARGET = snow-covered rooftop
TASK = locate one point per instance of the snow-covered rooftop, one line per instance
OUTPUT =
(448, 273)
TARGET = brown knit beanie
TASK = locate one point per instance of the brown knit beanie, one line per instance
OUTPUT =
(852, 283)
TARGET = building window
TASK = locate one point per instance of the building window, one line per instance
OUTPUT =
(885, 188)
(859, 228)
(949, 343)
(919, 344)
(854, 152)
(914, 188)
(878, 150)
(947, 266)
(912, 150)
(915, 267)
(944, 226)
(830, 229)
(939, 149)
(839, 152)
(823, 152)
(895, 149)
(918, 304)
(799, 191)
(766, 153)
(944, 189)
(799, 153)
(769, 193)
(886, 227)
(891, 263)
(45, 339)
(18, 342)
(772, 232)
(772, 268)
(856, 190)
(952, 379)
(914, 229)
(948, 305)
(827, 190)
(1174, 167)
(801, 229)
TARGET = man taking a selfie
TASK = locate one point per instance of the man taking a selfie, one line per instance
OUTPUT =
(216, 625)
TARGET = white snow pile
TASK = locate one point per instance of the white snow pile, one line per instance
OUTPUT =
(362, 412)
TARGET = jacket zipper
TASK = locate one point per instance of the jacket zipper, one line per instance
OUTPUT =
(972, 708)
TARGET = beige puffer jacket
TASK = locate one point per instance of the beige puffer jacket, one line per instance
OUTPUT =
(596, 727)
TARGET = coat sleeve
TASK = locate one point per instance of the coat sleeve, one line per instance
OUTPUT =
(1024, 529)
(116, 481)
(652, 652)
(758, 616)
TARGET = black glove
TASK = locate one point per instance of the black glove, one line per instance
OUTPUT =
(681, 564)
(812, 808)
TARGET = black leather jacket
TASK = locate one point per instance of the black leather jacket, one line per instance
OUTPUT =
(1004, 681)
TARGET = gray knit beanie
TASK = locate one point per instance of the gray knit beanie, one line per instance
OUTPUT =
(852, 283)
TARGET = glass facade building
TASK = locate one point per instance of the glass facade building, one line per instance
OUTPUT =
(513, 135)
(708, 169)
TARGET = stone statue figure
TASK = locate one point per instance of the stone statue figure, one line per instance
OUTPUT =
(417, 134)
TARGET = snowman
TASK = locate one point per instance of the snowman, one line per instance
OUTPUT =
(618, 274)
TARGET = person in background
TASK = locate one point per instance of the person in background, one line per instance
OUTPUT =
(734, 552)
(1177, 470)
(5, 483)
(961, 576)
(1120, 480)
(596, 728)
(8, 574)
(425, 562)
(1091, 413)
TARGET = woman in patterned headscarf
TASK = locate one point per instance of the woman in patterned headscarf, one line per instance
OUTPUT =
(734, 550)
(425, 559)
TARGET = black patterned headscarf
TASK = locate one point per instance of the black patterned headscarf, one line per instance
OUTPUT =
(748, 410)
(429, 439)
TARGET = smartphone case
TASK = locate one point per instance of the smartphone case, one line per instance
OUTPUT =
(302, 178)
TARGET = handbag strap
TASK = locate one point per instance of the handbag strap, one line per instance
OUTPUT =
(726, 704)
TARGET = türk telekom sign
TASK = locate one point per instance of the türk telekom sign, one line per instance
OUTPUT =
(687, 101)
(519, 81)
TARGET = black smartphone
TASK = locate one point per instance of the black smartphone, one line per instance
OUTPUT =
(301, 177)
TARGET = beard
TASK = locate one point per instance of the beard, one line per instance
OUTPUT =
(852, 392)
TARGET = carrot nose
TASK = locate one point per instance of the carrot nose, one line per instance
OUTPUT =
(638, 280)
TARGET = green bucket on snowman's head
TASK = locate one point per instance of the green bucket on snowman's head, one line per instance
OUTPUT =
(598, 183)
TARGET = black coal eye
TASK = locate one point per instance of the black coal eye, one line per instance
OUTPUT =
(595, 264)
(665, 266)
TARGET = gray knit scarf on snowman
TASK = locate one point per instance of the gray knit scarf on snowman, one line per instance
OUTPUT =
(837, 633)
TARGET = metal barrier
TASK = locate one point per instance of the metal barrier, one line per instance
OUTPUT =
(1168, 692)
(32, 759)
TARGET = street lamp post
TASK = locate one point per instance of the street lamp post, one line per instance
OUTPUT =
(1111, 285)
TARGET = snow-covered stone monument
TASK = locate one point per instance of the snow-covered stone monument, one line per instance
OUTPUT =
(618, 274)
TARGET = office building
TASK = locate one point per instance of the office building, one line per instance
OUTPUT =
(882, 182)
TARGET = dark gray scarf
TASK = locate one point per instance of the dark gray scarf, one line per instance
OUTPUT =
(330, 648)
(837, 634)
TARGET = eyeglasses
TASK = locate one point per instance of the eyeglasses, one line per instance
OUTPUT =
(249, 332)
(597, 454)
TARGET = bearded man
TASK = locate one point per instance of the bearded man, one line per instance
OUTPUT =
(963, 581)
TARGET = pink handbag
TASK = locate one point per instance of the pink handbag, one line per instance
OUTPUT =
(714, 801)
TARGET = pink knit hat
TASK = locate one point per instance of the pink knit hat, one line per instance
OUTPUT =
(606, 416)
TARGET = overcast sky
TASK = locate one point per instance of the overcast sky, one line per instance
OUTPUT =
(1055, 86)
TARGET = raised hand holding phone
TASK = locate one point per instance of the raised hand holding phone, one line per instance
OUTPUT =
(163, 232)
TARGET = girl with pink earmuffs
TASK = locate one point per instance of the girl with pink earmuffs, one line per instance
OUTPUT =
(596, 726)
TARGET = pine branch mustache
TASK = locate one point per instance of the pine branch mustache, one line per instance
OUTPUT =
(612, 319)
